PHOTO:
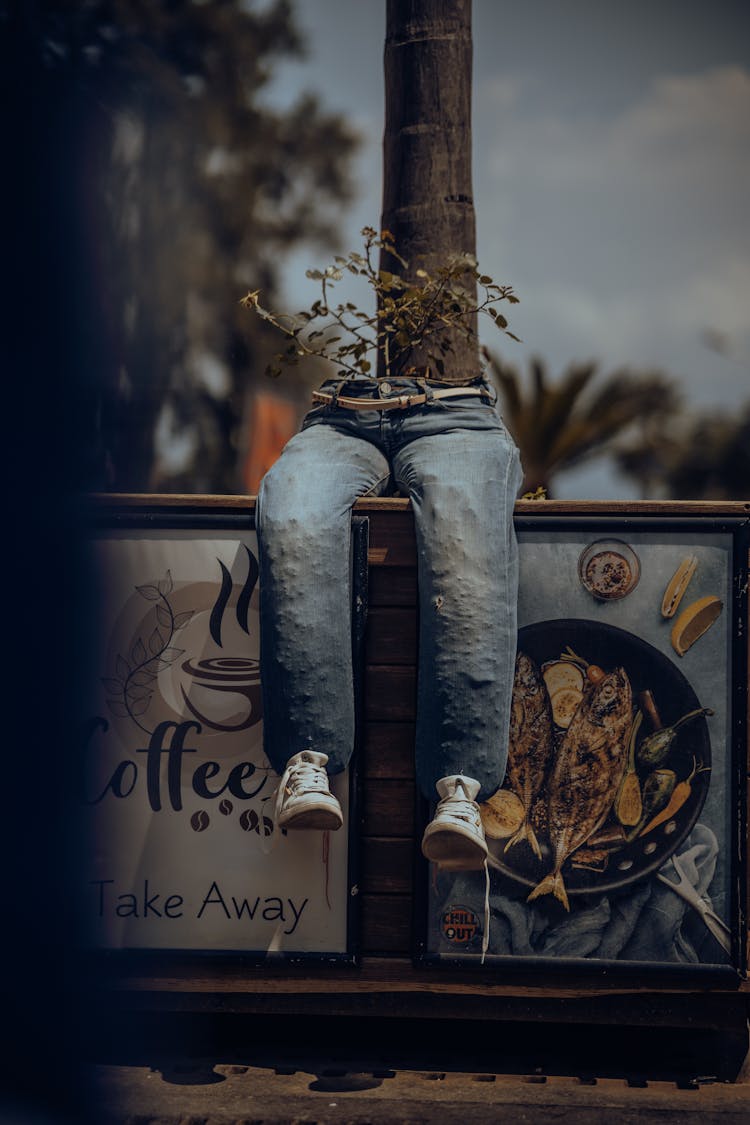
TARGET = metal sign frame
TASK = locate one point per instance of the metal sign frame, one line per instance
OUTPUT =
(164, 657)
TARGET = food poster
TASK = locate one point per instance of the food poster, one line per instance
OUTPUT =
(610, 839)
(175, 791)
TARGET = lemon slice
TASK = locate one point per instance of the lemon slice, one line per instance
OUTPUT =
(694, 621)
(564, 706)
(502, 815)
(561, 674)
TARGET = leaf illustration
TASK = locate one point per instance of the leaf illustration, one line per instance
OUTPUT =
(159, 664)
(118, 708)
(113, 686)
(138, 652)
(122, 667)
(166, 585)
(142, 678)
(164, 617)
(150, 593)
(171, 654)
(141, 705)
(156, 642)
(138, 693)
(152, 666)
(182, 619)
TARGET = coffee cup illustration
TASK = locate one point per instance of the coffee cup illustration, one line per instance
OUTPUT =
(216, 684)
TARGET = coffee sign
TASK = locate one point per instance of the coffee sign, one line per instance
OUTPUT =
(176, 793)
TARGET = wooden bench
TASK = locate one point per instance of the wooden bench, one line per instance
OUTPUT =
(386, 981)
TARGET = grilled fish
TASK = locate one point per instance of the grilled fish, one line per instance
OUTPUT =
(530, 743)
(587, 773)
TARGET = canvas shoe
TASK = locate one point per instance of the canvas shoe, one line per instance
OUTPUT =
(303, 798)
(454, 838)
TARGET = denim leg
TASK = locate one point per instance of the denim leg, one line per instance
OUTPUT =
(463, 484)
(303, 519)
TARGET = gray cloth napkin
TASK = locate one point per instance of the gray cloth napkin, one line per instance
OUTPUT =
(645, 922)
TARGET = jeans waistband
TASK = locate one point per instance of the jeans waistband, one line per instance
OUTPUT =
(370, 388)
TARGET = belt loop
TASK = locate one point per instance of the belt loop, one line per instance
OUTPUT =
(335, 394)
(428, 391)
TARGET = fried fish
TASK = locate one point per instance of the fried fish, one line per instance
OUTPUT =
(530, 743)
(587, 773)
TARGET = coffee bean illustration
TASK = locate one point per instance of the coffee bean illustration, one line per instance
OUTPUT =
(225, 806)
(200, 821)
(249, 820)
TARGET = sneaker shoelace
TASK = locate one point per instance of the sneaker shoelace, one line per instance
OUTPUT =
(486, 929)
(462, 808)
(299, 777)
(465, 809)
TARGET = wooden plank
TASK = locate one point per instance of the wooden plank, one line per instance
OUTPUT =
(391, 636)
(393, 585)
(658, 508)
(648, 1011)
(397, 975)
(390, 694)
(205, 501)
(388, 750)
(388, 808)
(387, 866)
(392, 541)
(399, 504)
(386, 924)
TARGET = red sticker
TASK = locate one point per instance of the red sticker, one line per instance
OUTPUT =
(459, 925)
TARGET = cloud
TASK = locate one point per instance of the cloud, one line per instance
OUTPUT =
(625, 232)
(676, 124)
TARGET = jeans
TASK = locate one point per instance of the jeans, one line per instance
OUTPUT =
(456, 461)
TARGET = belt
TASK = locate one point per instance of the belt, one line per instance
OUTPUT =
(400, 402)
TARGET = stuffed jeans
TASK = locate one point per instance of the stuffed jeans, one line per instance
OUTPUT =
(456, 461)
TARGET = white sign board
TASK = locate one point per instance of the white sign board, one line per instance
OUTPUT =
(176, 792)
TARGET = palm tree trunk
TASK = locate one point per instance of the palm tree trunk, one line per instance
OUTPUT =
(427, 194)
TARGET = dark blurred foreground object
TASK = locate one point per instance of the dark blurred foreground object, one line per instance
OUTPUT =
(46, 340)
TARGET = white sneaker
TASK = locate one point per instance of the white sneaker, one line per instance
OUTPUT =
(454, 838)
(303, 798)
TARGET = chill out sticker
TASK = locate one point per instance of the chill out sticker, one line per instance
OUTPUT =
(459, 925)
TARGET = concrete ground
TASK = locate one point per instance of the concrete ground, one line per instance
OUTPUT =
(210, 1093)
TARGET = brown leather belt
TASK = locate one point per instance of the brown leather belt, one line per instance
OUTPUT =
(400, 402)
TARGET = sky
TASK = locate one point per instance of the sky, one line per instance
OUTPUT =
(611, 164)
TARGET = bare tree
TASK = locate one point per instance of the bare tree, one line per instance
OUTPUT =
(427, 187)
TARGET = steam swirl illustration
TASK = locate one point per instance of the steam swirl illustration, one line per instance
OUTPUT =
(243, 602)
(131, 688)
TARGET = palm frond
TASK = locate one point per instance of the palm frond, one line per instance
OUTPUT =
(561, 400)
